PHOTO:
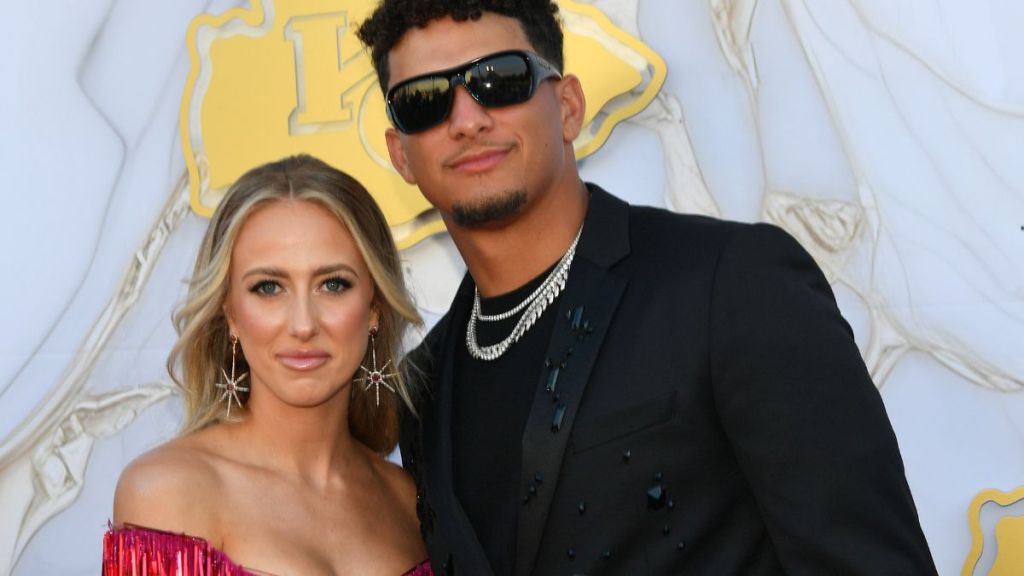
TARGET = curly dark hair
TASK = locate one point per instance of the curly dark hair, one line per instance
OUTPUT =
(393, 18)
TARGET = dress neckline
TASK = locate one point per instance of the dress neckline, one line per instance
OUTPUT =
(163, 540)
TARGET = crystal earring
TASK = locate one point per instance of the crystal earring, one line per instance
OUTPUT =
(232, 385)
(375, 376)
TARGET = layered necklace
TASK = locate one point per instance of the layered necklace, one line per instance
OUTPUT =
(534, 305)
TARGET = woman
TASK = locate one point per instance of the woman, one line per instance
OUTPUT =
(287, 348)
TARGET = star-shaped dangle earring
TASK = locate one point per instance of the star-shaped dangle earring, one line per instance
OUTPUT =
(232, 385)
(376, 377)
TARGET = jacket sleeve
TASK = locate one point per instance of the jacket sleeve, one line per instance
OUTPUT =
(420, 368)
(807, 424)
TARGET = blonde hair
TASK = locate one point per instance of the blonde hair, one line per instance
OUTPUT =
(203, 348)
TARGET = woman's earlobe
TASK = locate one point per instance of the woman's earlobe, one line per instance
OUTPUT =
(374, 317)
(229, 319)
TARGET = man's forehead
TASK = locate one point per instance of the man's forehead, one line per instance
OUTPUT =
(444, 43)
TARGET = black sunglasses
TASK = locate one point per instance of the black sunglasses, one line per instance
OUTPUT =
(499, 79)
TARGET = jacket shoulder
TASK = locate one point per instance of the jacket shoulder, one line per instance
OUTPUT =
(422, 362)
(692, 239)
(649, 221)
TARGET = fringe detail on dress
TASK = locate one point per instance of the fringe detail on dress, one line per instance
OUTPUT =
(135, 551)
(421, 569)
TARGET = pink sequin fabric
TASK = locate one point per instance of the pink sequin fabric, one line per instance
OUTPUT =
(421, 569)
(136, 551)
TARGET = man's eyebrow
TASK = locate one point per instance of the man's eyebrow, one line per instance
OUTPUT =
(320, 271)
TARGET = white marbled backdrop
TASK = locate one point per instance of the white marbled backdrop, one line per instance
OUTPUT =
(887, 136)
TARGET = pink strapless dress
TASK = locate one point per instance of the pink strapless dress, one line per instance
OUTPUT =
(136, 551)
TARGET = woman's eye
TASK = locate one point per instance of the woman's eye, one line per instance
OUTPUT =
(265, 288)
(336, 285)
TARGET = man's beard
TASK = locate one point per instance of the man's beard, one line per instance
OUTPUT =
(489, 210)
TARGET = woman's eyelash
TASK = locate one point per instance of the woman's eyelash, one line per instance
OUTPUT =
(265, 287)
(271, 287)
(336, 284)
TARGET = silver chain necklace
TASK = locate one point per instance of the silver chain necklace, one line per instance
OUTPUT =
(534, 304)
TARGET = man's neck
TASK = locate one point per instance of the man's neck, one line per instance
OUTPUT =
(505, 257)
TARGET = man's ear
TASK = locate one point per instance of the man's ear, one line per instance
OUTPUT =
(397, 152)
(574, 106)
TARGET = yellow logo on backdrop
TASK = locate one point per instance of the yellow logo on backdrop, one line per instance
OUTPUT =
(1000, 540)
(290, 76)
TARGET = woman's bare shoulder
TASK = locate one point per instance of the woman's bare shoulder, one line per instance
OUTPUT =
(171, 487)
(398, 482)
(404, 542)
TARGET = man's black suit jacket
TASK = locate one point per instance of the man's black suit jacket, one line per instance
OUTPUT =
(706, 411)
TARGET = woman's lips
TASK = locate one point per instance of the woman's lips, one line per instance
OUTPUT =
(303, 360)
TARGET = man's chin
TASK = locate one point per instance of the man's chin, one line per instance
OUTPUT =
(488, 211)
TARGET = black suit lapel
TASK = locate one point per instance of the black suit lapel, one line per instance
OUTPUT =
(586, 309)
(451, 519)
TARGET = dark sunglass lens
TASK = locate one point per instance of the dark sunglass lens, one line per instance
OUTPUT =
(501, 81)
(420, 104)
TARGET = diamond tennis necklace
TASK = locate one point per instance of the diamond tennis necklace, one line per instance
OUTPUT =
(534, 306)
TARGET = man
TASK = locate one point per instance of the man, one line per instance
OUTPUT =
(691, 402)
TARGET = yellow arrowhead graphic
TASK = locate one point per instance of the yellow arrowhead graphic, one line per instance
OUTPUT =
(290, 76)
(1007, 538)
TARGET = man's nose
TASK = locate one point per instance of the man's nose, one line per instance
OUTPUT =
(467, 117)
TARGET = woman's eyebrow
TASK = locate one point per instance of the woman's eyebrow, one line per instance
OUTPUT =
(320, 271)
